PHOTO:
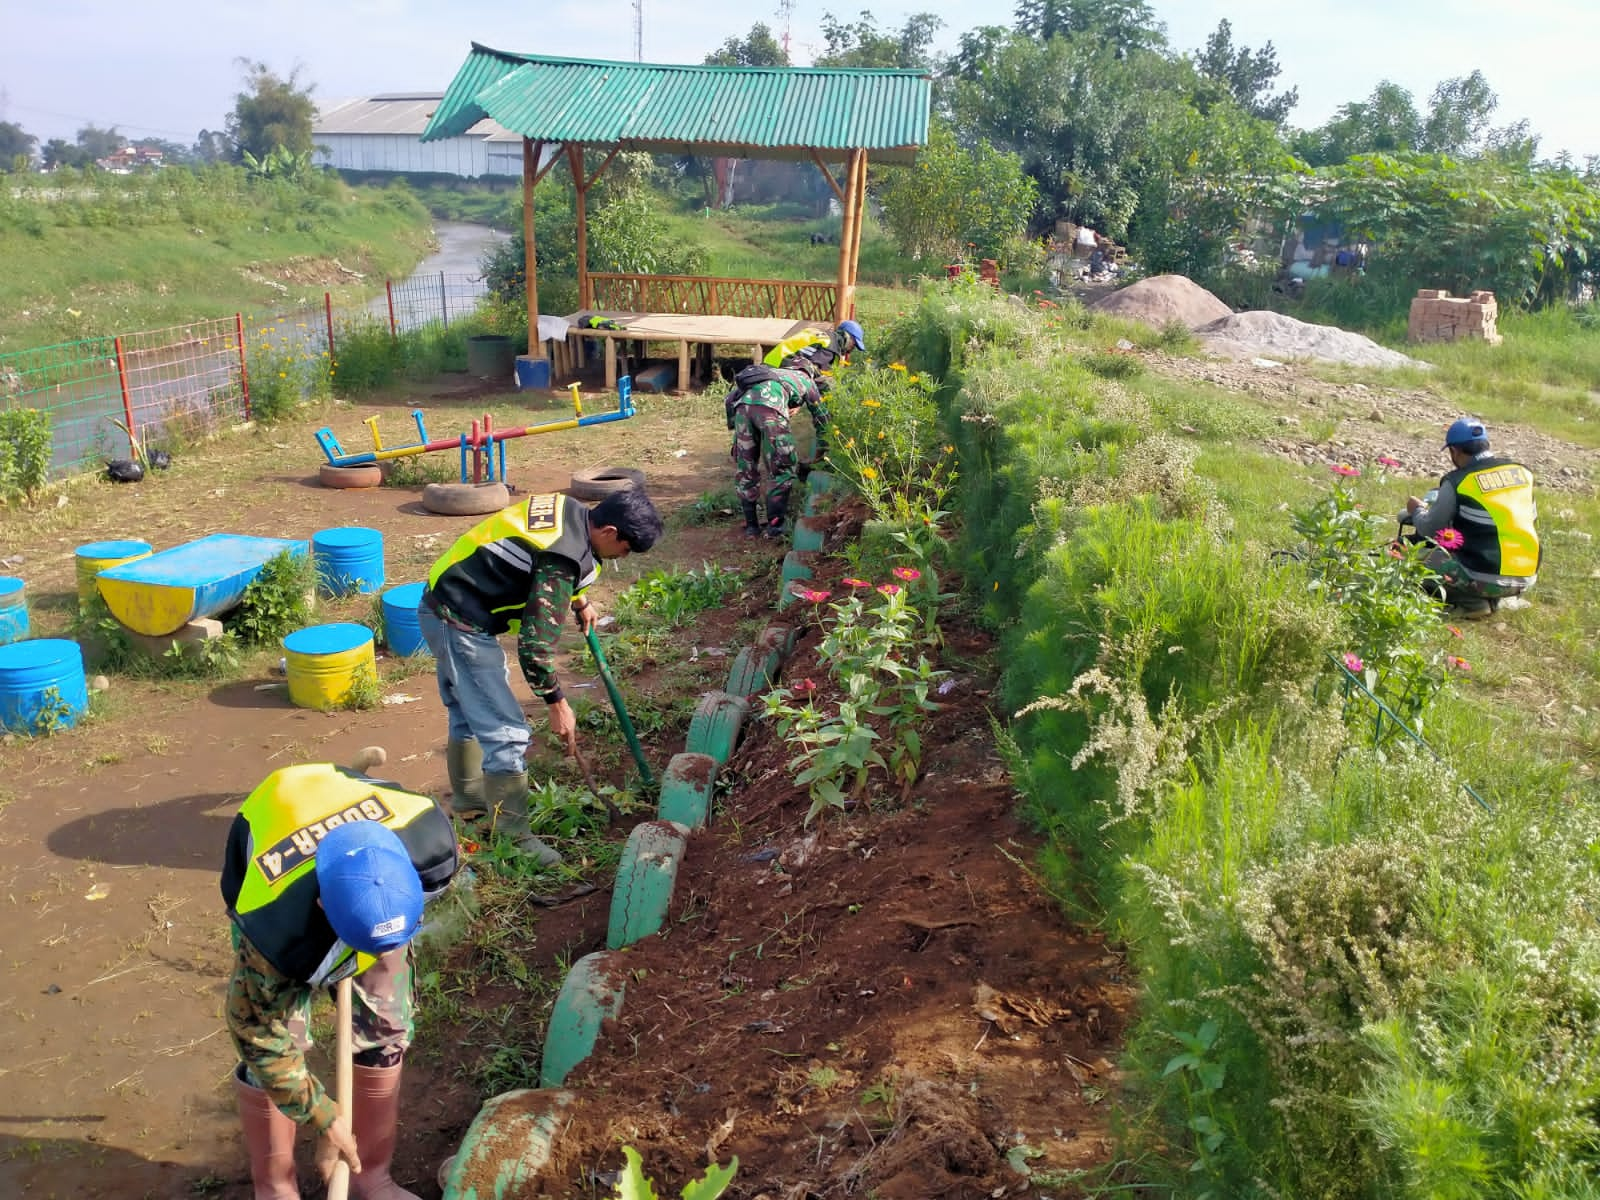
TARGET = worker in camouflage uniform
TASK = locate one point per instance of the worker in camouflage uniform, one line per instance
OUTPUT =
(517, 571)
(758, 413)
(325, 876)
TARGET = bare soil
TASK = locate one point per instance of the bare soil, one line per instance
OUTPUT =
(887, 1002)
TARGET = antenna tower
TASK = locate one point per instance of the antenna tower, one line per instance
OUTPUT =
(638, 30)
(785, 14)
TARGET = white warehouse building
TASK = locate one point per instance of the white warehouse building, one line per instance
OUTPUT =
(383, 133)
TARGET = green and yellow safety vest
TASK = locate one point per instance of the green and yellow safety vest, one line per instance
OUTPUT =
(269, 879)
(803, 340)
(486, 577)
(1497, 518)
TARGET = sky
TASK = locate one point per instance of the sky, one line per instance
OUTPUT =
(167, 68)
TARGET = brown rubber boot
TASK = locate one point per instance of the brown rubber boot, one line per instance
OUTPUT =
(377, 1115)
(269, 1138)
(464, 762)
(507, 797)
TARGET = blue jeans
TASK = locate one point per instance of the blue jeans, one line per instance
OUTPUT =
(475, 685)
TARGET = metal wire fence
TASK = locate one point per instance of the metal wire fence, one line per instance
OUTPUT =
(102, 393)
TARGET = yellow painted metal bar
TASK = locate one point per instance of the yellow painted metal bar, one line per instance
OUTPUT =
(577, 399)
(372, 424)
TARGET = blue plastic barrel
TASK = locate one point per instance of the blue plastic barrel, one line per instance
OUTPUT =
(532, 372)
(13, 610)
(41, 685)
(348, 559)
(400, 631)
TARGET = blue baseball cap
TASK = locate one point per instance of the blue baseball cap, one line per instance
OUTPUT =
(1463, 430)
(371, 893)
(857, 334)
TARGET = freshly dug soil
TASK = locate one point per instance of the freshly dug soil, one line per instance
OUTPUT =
(1163, 299)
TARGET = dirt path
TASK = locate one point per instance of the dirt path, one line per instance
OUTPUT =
(115, 951)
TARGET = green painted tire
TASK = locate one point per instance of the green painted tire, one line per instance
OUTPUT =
(512, 1141)
(820, 483)
(591, 995)
(798, 565)
(781, 638)
(809, 533)
(715, 727)
(645, 879)
(753, 669)
(686, 790)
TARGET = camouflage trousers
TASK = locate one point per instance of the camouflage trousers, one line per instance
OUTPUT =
(760, 431)
(269, 1017)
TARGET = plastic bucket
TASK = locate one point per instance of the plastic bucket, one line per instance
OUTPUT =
(41, 685)
(13, 610)
(532, 372)
(348, 559)
(94, 557)
(324, 662)
(400, 630)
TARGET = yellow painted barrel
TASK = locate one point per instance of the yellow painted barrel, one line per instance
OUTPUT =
(94, 557)
(325, 662)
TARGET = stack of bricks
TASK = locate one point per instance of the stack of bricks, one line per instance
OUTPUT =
(1437, 317)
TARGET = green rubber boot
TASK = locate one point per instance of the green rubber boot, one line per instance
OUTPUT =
(464, 762)
(507, 798)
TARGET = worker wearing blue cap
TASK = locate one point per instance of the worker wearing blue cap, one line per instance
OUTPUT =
(325, 877)
(1482, 526)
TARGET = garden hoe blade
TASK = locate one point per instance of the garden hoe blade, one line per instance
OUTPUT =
(613, 813)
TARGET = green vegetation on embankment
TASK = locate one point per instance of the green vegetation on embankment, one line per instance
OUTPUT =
(91, 254)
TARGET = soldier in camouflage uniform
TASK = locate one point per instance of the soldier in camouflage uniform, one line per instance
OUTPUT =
(518, 570)
(325, 876)
(758, 413)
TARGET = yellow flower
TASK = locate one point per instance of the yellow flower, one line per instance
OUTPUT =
(949, 449)
(281, 375)
(897, 366)
(850, 445)
(871, 404)
(868, 473)
(913, 378)
(880, 435)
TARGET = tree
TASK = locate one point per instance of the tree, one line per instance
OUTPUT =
(15, 143)
(1386, 122)
(1126, 25)
(865, 45)
(212, 147)
(95, 143)
(954, 196)
(1459, 112)
(758, 48)
(270, 112)
(1248, 74)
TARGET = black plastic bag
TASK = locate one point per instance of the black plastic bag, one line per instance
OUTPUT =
(124, 470)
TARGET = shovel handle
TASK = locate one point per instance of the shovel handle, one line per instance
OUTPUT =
(345, 1084)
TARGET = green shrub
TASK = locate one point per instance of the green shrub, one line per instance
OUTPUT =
(278, 601)
(25, 449)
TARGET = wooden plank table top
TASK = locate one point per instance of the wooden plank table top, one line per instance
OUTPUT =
(758, 333)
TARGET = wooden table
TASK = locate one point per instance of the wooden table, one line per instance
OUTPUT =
(759, 333)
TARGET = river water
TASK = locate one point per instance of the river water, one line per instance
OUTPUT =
(449, 282)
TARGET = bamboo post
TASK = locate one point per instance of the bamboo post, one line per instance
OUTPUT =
(530, 269)
(847, 215)
(581, 187)
(855, 231)
(244, 371)
(127, 398)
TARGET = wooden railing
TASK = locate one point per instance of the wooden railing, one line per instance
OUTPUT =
(797, 299)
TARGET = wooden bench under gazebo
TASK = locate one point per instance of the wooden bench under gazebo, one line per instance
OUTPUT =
(565, 106)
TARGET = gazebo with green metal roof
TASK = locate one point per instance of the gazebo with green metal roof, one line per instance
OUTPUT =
(821, 114)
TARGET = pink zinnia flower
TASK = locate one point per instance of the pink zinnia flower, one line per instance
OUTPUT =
(1454, 631)
(855, 583)
(1385, 461)
(1345, 470)
(1449, 539)
(1457, 664)
(906, 574)
(812, 596)
(1353, 663)
(889, 589)
(806, 685)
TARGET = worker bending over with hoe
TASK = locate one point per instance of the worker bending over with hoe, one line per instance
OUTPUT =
(820, 350)
(758, 413)
(1482, 525)
(519, 571)
(326, 874)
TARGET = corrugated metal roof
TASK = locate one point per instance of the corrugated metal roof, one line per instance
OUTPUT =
(403, 114)
(761, 112)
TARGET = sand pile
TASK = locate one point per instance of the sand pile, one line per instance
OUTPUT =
(1273, 335)
(1163, 299)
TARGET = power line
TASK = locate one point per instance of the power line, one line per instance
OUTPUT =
(46, 112)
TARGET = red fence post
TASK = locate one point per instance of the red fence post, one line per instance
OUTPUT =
(127, 399)
(327, 305)
(444, 304)
(244, 372)
(388, 287)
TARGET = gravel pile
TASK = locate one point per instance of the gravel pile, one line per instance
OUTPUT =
(1273, 335)
(1163, 299)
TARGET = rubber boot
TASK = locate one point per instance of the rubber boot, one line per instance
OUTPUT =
(269, 1138)
(464, 761)
(752, 520)
(507, 797)
(777, 517)
(377, 1092)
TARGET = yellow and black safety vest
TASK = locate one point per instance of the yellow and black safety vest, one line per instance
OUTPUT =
(1497, 518)
(269, 880)
(803, 340)
(486, 577)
